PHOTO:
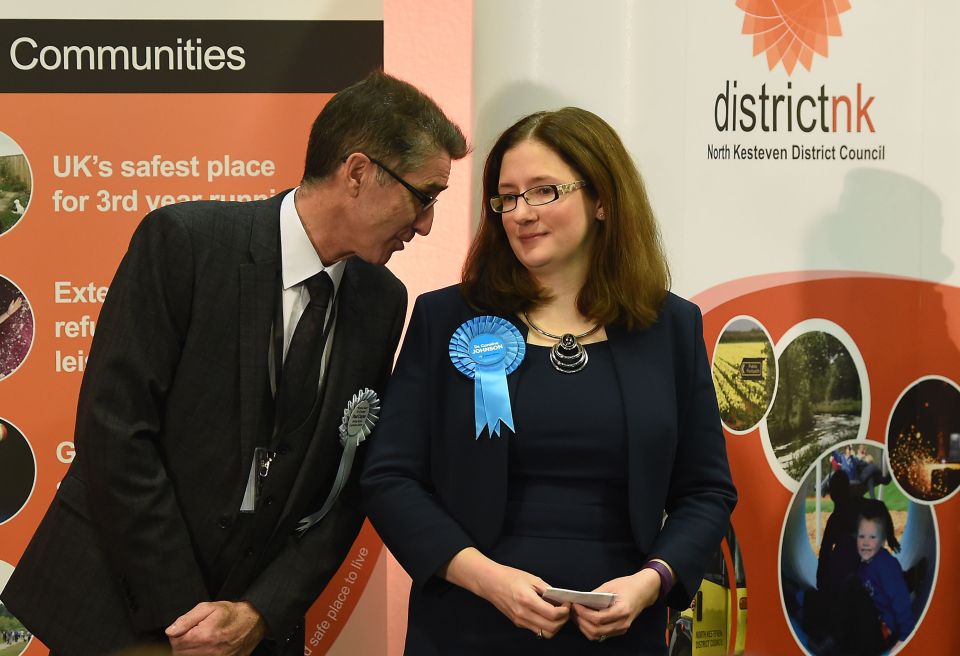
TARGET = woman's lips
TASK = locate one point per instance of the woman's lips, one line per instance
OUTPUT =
(532, 236)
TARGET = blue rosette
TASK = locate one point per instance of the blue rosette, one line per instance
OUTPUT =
(487, 349)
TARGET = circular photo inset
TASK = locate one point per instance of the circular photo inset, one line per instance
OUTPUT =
(16, 327)
(18, 471)
(924, 439)
(820, 397)
(14, 636)
(716, 621)
(16, 183)
(858, 558)
(744, 374)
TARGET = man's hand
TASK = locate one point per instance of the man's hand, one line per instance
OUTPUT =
(217, 628)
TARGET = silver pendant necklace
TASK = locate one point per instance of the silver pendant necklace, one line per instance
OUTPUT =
(568, 355)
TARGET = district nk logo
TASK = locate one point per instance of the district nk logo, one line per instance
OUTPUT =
(791, 31)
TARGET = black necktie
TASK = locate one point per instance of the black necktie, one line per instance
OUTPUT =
(301, 368)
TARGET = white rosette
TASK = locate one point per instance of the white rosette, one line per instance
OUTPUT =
(359, 418)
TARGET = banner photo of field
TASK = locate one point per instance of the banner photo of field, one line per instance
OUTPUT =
(744, 374)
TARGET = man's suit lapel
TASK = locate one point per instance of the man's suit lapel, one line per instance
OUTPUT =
(352, 340)
(259, 283)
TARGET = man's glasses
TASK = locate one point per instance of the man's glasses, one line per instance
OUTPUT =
(539, 195)
(425, 199)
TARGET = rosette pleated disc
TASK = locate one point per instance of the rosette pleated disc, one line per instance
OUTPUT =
(515, 347)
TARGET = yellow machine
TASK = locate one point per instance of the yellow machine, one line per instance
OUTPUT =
(716, 622)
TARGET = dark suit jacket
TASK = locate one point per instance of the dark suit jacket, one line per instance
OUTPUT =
(171, 407)
(431, 489)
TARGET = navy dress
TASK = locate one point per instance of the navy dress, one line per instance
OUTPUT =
(566, 519)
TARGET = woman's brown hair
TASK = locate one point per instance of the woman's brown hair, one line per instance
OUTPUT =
(628, 276)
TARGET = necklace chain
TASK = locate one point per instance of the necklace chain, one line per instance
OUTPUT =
(543, 332)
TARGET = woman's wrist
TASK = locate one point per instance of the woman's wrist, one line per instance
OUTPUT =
(469, 569)
(648, 587)
(664, 572)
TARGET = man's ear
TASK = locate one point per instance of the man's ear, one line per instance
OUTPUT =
(353, 170)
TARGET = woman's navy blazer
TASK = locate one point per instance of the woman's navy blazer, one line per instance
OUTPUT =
(431, 489)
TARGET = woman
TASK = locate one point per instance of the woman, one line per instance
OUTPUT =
(614, 427)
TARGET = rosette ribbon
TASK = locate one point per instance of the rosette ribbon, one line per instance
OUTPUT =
(359, 418)
(488, 349)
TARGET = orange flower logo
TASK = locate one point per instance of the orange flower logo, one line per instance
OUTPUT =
(790, 31)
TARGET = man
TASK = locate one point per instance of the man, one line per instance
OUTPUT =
(197, 457)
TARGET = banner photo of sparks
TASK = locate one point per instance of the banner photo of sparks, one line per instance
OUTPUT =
(105, 118)
(803, 175)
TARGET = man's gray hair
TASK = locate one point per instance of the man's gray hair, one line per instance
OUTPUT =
(384, 118)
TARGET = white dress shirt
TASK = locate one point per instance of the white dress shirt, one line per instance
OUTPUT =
(300, 261)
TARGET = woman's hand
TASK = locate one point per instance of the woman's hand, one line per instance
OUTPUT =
(634, 593)
(512, 591)
(516, 594)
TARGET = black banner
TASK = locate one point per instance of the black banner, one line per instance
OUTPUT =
(187, 56)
